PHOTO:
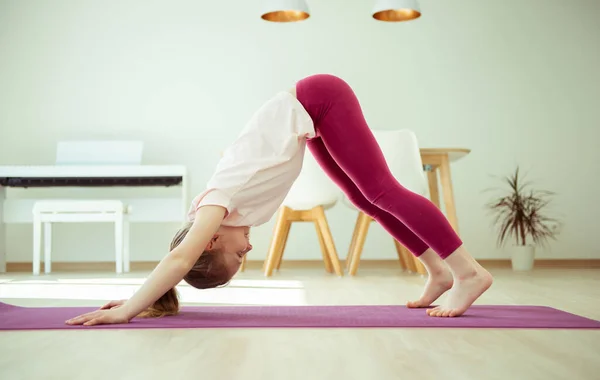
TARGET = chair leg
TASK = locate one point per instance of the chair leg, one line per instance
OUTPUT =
(362, 226)
(326, 259)
(353, 241)
(410, 262)
(119, 244)
(419, 267)
(283, 242)
(276, 241)
(286, 234)
(401, 258)
(243, 266)
(319, 212)
(47, 247)
(273, 240)
(409, 259)
(37, 242)
(126, 258)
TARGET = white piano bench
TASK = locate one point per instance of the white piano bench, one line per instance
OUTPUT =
(47, 212)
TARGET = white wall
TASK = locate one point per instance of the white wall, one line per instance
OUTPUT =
(515, 81)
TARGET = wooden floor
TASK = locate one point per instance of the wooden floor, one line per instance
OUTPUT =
(287, 354)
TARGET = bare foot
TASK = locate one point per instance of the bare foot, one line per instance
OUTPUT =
(437, 284)
(463, 293)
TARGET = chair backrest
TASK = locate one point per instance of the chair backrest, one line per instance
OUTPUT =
(99, 152)
(402, 154)
(312, 188)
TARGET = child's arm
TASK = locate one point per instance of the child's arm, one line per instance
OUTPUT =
(169, 272)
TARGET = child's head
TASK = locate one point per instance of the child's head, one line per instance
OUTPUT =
(216, 266)
(220, 260)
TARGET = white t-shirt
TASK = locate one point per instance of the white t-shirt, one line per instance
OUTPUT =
(257, 171)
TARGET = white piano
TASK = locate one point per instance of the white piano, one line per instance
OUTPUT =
(28, 181)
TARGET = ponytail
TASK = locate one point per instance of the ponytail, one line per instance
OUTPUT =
(166, 305)
(208, 272)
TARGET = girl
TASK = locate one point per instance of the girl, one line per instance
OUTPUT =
(252, 180)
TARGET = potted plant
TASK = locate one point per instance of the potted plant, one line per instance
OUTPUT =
(520, 217)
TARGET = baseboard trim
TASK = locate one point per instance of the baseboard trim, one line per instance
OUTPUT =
(103, 266)
(138, 266)
(546, 263)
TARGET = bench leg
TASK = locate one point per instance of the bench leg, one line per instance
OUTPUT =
(119, 244)
(37, 244)
(47, 247)
(126, 265)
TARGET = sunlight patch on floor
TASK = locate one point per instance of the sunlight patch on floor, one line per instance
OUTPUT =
(244, 296)
(239, 292)
(139, 281)
(267, 284)
(109, 281)
(248, 283)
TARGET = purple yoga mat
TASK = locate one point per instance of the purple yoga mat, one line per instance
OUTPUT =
(43, 318)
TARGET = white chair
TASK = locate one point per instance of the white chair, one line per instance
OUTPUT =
(401, 151)
(79, 211)
(312, 193)
(82, 153)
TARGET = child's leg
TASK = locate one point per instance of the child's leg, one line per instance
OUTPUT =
(440, 278)
(340, 123)
(387, 221)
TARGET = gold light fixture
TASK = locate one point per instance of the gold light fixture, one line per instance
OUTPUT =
(396, 10)
(285, 10)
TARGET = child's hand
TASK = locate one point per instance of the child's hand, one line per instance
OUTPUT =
(101, 317)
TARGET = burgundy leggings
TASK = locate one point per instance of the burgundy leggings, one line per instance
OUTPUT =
(348, 152)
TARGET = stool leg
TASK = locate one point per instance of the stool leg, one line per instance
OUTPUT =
(37, 242)
(119, 243)
(126, 260)
(47, 247)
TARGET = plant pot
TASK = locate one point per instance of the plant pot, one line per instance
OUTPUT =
(523, 257)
